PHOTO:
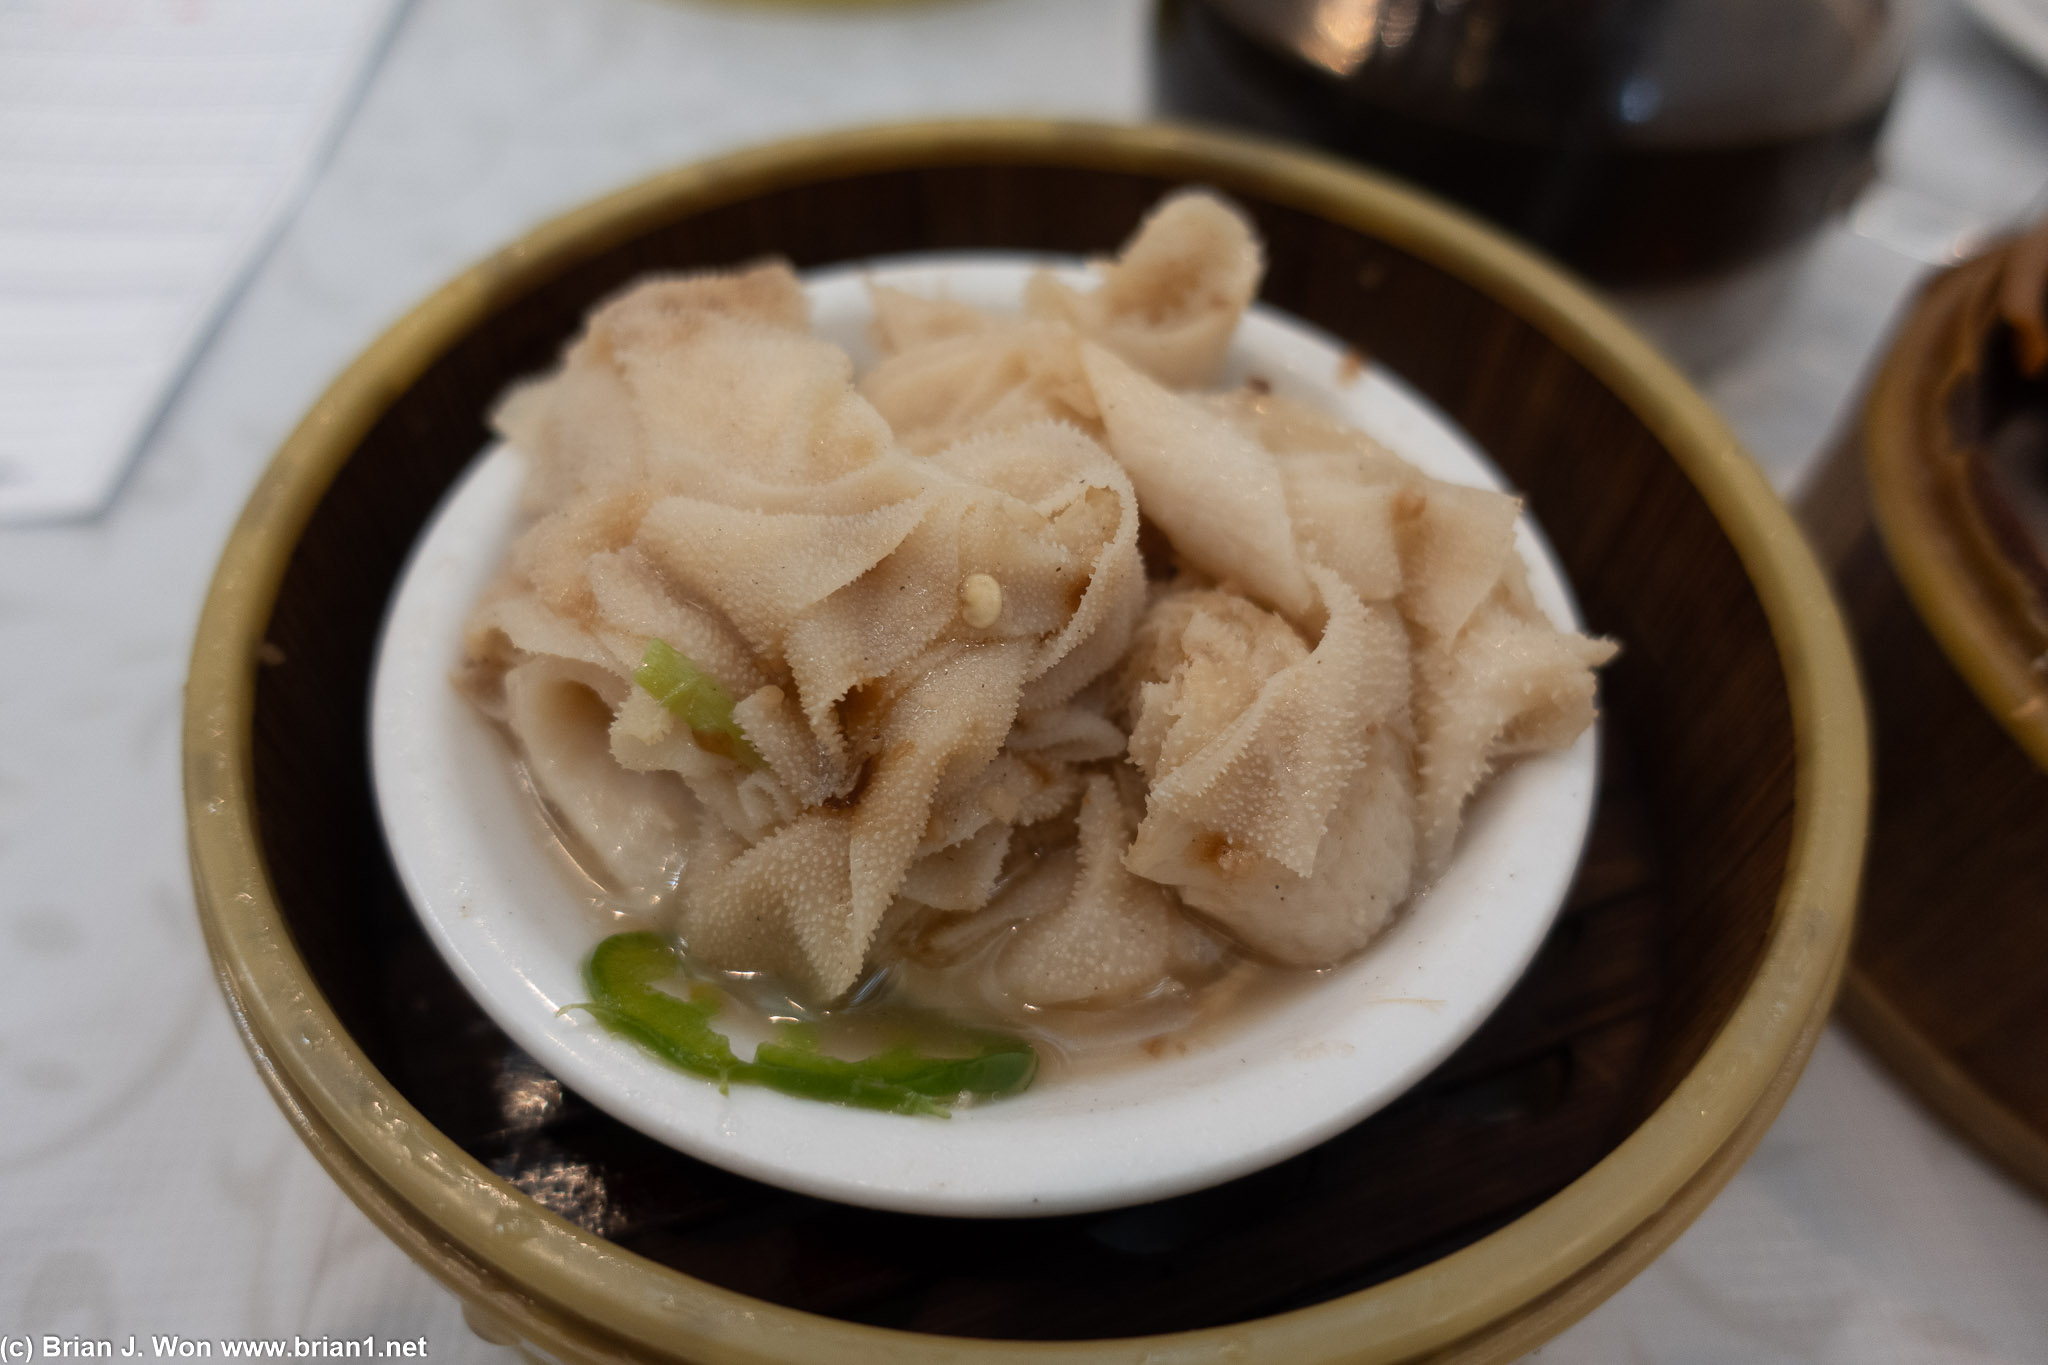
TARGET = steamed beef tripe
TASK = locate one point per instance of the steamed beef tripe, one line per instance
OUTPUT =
(586, 425)
(1170, 303)
(1280, 798)
(1508, 684)
(806, 901)
(1493, 678)
(750, 510)
(1114, 935)
(1389, 530)
(1213, 490)
(938, 695)
(1072, 925)
(634, 825)
(781, 443)
(1464, 670)
(850, 675)
(1167, 305)
(1000, 373)
(1075, 578)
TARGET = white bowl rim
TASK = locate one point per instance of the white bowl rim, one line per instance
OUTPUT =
(1188, 1122)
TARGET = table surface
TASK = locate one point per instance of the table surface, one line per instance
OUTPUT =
(148, 1186)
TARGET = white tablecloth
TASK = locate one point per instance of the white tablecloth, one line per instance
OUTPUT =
(148, 1185)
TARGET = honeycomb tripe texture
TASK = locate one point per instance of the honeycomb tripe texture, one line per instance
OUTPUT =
(839, 669)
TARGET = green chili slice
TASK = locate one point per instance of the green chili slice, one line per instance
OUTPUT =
(695, 698)
(621, 976)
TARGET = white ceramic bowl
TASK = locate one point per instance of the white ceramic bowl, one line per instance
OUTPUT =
(499, 909)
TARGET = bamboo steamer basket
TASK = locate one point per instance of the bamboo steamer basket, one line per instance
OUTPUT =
(1586, 1125)
(1948, 983)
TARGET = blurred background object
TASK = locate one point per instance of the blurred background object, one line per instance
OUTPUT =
(1643, 141)
(1935, 518)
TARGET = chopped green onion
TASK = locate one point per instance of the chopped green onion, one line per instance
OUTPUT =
(694, 697)
(621, 976)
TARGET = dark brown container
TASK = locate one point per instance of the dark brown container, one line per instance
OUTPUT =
(1642, 141)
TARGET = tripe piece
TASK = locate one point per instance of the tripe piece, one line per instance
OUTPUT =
(851, 674)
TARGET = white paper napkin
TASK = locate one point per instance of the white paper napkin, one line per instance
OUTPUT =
(149, 150)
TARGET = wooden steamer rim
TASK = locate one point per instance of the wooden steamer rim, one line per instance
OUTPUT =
(533, 1274)
(1930, 537)
(1938, 552)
